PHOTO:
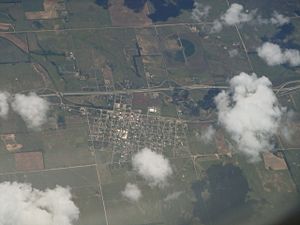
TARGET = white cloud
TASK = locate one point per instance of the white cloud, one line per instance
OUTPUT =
(279, 19)
(233, 16)
(200, 12)
(232, 53)
(276, 19)
(236, 15)
(287, 129)
(216, 27)
(132, 192)
(152, 166)
(273, 55)
(20, 204)
(250, 113)
(32, 108)
(173, 196)
(208, 135)
(4, 106)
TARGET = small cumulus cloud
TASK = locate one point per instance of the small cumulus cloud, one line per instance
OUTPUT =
(132, 192)
(273, 55)
(233, 53)
(237, 15)
(200, 12)
(152, 166)
(4, 105)
(287, 129)
(23, 205)
(216, 27)
(208, 135)
(32, 108)
(279, 19)
(250, 113)
(276, 19)
(173, 196)
(233, 16)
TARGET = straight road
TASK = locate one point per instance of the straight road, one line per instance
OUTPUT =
(131, 91)
(159, 89)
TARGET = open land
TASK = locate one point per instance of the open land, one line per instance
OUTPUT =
(118, 82)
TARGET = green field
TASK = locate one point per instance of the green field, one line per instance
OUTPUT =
(89, 46)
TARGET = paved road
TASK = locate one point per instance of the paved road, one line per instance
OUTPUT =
(106, 27)
(149, 90)
(131, 91)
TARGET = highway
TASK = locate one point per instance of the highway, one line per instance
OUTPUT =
(281, 89)
(105, 27)
(131, 91)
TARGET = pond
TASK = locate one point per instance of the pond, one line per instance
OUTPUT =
(164, 9)
(188, 47)
(103, 3)
(135, 5)
(222, 195)
(283, 37)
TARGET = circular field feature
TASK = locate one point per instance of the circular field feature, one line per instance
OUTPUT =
(188, 47)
